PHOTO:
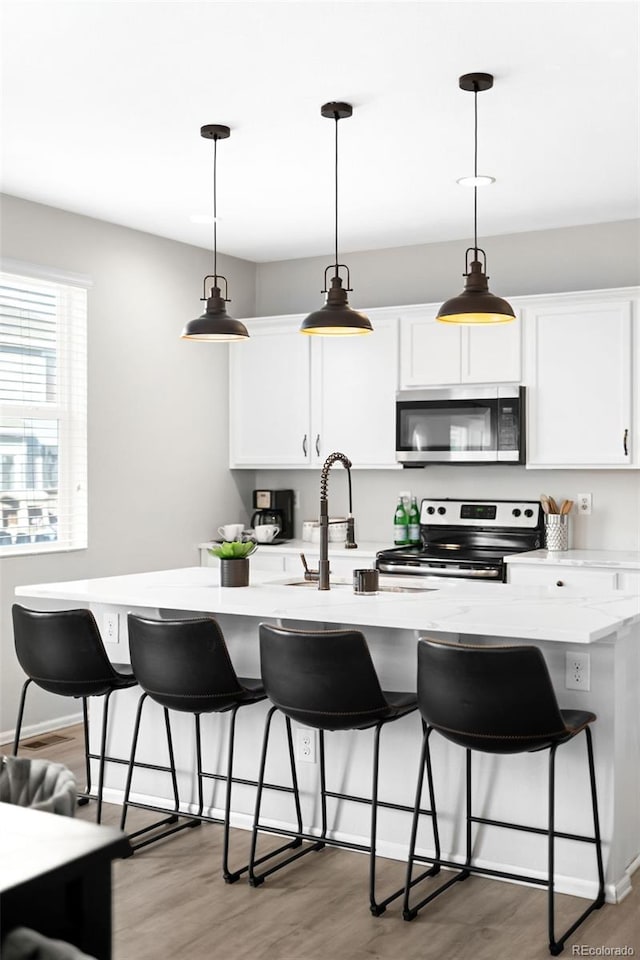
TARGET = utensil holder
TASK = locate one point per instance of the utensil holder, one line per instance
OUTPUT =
(556, 531)
(234, 572)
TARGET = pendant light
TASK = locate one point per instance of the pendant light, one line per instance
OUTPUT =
(476, 304)
(215, 323)
(336, 318)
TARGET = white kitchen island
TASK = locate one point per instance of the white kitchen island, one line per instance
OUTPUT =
(558, 620)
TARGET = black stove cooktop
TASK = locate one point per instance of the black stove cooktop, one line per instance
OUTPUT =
(467, 536)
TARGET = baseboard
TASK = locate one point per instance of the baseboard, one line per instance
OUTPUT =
(574, 886)
(37, 729)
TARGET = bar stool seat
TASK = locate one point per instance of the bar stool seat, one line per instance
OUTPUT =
(325, 680)
(184, 665)
(62, 652)
(496, 699)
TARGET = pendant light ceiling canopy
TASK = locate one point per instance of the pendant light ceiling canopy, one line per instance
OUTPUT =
(215, 323)
(336, 318)
(476, 304)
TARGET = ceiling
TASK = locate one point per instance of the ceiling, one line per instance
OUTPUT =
(103, 100)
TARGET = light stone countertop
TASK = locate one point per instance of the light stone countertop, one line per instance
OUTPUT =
(629, 559)
(480, 609)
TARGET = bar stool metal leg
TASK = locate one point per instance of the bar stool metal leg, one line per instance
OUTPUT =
(23, 696)
(173, 817)
(255, 880)
(557, 946)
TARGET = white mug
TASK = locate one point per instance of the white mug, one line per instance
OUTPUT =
(265, 532)
(231, 531)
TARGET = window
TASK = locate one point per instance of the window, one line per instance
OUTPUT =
(43, 412)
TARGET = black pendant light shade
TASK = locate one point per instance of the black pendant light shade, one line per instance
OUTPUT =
(476, 304)
(215, 324)
(336, 318)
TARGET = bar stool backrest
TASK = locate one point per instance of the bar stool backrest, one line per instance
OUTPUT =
(62, 651)
(324, 679)
(183, 664)
(498, 699)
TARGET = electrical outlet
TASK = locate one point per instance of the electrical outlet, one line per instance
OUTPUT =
(111, 628)
(577, 671)
(306, 744)
(583, 501)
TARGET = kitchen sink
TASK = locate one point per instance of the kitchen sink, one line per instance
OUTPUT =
(340, 586)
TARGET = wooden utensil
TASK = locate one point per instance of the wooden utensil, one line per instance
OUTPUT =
(553, 506)
(544, 500)
(566, 507)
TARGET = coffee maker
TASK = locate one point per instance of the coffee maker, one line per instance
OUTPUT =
(274, 506)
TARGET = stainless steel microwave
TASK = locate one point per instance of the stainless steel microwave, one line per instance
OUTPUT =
(460, 425)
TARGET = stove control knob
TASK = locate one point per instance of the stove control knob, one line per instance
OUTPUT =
(431, 510)
(516, 512)
(528, 512)
(442, 510)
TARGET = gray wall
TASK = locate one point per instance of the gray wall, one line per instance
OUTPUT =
(544, 261)
(158, 477)
(550, 261)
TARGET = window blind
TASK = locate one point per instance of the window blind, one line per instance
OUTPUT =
(43, 415)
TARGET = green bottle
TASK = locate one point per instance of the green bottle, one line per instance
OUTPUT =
(414, 523)
(400, 525)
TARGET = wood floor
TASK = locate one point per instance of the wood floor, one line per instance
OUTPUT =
(170, 902)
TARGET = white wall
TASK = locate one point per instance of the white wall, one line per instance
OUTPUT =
(574, 258)
(158, 477)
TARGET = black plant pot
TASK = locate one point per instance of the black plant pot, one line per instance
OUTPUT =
(234, 572)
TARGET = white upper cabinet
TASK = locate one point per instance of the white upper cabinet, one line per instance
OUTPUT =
(439, 354)
(579, 363)
(269, 396)
(294, 399)
(354, 382)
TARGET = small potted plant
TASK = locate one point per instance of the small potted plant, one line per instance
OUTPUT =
(234, 561)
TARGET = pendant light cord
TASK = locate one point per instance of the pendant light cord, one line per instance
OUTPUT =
(336, 183)
(475, 171)
(215, 211)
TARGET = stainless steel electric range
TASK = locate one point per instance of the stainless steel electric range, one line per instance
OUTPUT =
(467, 539)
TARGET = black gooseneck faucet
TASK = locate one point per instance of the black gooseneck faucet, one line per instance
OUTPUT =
(350, 544)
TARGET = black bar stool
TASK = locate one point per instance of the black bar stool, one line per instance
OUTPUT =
(325, 680)
(184, 665)
(62, 652)
(497, 699)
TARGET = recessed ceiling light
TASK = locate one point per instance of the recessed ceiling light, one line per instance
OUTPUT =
(476, 181)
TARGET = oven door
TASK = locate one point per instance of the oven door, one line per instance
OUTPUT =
(459, 425)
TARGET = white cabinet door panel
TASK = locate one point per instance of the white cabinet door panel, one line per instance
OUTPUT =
(430, 351)
(354, 389)
(491, 352)
(269, 396)
(579, 379)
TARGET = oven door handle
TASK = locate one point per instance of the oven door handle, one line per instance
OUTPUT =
(419, 570)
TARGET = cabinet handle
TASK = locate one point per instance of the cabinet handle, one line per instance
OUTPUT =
(318, 445)
(304, 444)
(559, 583)
(624, 443)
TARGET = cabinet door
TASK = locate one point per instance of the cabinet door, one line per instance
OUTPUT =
(430, 352)
(491, 352)
(579, 379)
(354, 389)
(269, 396)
